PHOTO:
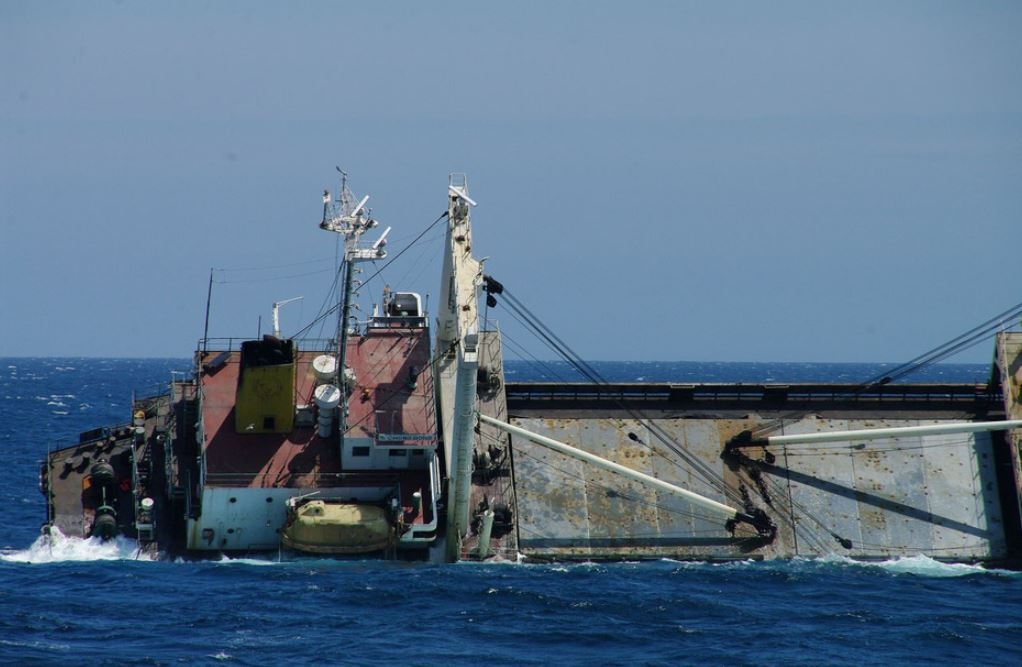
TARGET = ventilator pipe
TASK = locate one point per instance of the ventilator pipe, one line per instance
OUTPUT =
(483, 550)
(328, 397)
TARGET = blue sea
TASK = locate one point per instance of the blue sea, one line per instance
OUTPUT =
(79, 602)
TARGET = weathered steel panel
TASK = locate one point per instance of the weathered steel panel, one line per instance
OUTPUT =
(568, 509)
(701, 440)
(894, 497)
(617, 508)
(901, 496)
(961, 483)
(818, 498)
(888, 480)
(551, 491)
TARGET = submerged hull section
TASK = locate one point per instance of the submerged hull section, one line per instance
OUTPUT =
(144, 484)
(952, 497)
(935, 495)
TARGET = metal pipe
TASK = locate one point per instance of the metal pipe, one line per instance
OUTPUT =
(209, 299)
(635, 475)
(463, 437)
(485, 530)
(892, 432)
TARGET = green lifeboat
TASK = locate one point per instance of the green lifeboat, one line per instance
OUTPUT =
(325, 527)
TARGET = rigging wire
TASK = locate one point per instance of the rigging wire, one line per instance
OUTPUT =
(961, 342)
(538, 328)
(586, 370)
(545, 369)
(249, 281)
(589, 483)
(386, 264)
(769, 487)
(437, 355)
(969, 339)
(269, 267)
(421, 263)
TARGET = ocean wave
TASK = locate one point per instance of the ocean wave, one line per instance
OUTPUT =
(919, 565)
(247, 560)
(928, 567)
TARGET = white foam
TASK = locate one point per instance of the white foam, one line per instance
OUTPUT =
(927, 567)
(58, 548)
(246, 560)
(920, 565)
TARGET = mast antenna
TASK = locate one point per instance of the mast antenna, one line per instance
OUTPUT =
(350, 220)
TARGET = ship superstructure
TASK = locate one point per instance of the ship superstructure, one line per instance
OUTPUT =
(327, 447)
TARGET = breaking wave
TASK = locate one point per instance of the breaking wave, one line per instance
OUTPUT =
(59, 548)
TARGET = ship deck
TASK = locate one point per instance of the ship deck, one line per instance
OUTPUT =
(391, 404)
(298, 458)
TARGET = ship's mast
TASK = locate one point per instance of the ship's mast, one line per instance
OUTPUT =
(458, 357)
(351, 221)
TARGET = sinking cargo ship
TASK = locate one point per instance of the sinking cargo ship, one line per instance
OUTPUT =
(400, 437)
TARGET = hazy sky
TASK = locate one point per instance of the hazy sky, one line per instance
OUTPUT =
(784, 181)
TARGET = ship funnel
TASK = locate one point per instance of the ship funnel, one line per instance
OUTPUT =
(328, 397)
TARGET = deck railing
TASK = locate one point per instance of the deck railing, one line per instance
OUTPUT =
(310, 480)
(233, 344)
(536, 394)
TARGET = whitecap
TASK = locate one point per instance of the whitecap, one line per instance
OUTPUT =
(833, 558)
(920, 565)
(248, 560)
(35, 645)
(57, 548)
(928, 567)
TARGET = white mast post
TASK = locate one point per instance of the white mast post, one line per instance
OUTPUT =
(276, 313)
(458, 358)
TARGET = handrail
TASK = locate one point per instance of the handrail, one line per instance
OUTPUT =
(232, 343)
(930, 393)
(327, 480)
